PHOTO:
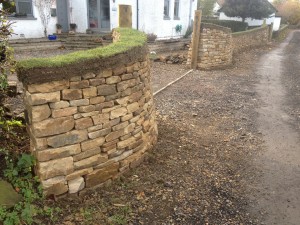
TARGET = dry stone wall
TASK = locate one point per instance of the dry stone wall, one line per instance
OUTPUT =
(217, 45)
(250, 39)
(86, 129)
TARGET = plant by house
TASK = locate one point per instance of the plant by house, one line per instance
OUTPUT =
(178, 28)
(256, 9)
(188, 32)
(151, 37)
(289, 10)
(206, 6)
(58, 26)
(73, 26)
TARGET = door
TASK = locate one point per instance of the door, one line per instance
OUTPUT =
(62, 14)
(99, 15)
(125, 16)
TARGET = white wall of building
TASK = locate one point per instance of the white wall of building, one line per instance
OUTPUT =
(254, 22)
(32, 28)
(79, 14)
(151, 17)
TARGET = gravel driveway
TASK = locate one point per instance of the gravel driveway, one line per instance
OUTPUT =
(205, 168)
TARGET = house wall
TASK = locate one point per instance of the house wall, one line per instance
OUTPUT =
(253, 22)
(32, 28)
(152, 18)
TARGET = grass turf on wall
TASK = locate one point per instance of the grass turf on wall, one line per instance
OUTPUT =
(129, 38)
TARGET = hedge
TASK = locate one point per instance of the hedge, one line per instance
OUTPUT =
(236, 26)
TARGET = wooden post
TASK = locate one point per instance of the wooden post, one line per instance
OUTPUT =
(196, 39)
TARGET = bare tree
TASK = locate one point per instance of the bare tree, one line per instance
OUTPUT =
(44, 8)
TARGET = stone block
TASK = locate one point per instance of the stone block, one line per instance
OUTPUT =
(99, 133)
(52, 126)
(95, 128)
(111, 123)
(97, 100)
(72, 137)
(71, 94)
(54, 153)
(97, 81)
(118, 113)
(83, 123)
(86, 154)
(80, 102)
(127, 117)
(59, 105)
(101, 175)
(55, 186)
(113, 80)
(125, 143)
(112, 97)
(133, 107)
(106, 89)
(104, 105)
(52, 86)
(126, 84)
(42, 98)
(92, 144)
(39, 113)
(79, 84)
(88, 76)
(86, 109)
(56, 113)
(105, 73)
(114, 135)
(120, 126)
(76, 185)
(100, 118)
(127, 76)
(119, 70)
(56, 167)
(89, 92)
(78, 173)
(90, 162)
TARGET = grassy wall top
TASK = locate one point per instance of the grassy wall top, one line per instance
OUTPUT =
(129, 46)
(129, 38)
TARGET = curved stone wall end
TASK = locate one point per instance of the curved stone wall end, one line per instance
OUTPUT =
(92, 124)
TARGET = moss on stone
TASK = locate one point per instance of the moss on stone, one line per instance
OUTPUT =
(129, 38)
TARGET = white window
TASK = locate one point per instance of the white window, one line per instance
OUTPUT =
(167, 9)
(176, 10)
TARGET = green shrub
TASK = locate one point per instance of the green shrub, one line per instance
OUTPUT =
(236, 26)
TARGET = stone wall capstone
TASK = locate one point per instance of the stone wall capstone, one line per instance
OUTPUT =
(88, 128)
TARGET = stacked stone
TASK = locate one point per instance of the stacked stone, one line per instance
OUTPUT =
(250, 39)
(215, 48)
(89, 129)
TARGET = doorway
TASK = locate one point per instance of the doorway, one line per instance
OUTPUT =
(99, 15)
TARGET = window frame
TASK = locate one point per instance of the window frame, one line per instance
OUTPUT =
(177, 13)
(167, 16)
(18, 8)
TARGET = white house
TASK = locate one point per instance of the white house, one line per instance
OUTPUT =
(251, 22)
(160, 17)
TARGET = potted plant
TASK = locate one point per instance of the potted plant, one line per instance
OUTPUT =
(73, 27)
(58, 28)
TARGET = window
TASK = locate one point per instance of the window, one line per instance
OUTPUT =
(19, 8)
(176, 10)
(167, 9)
